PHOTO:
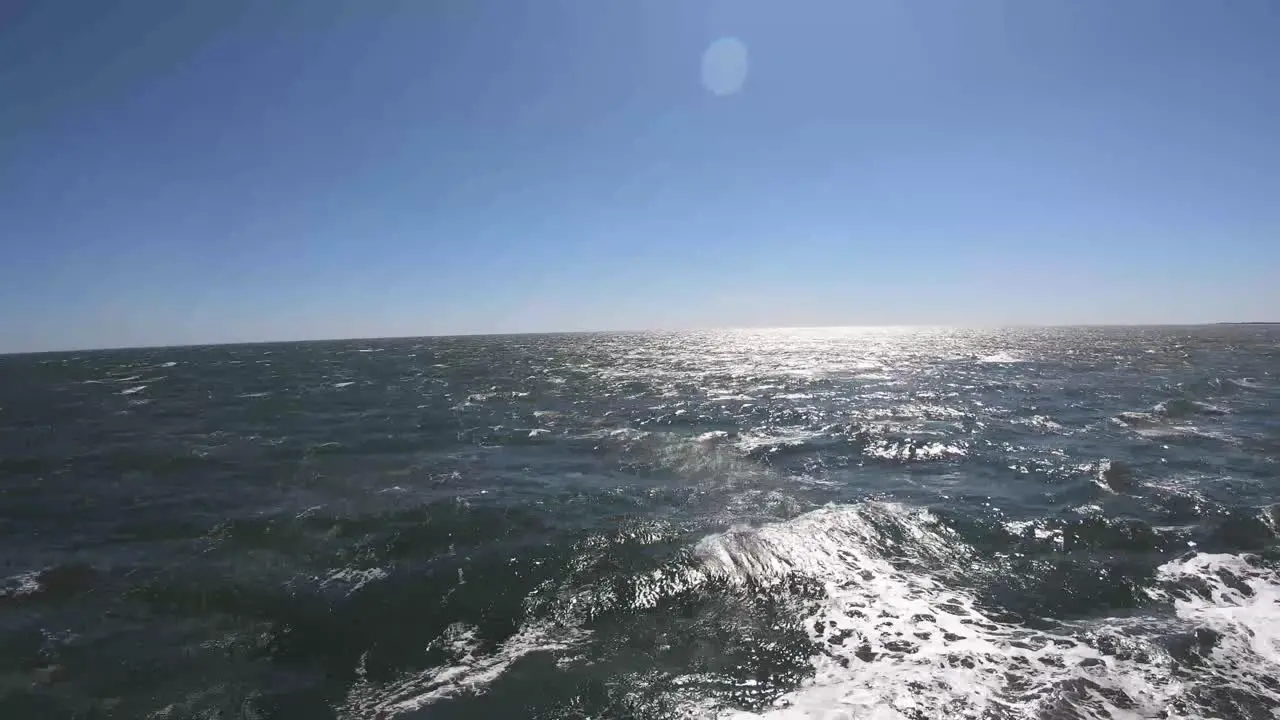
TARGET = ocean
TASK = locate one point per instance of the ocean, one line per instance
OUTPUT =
(826, 523)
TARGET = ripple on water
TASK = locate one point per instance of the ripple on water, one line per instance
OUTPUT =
(899, 523)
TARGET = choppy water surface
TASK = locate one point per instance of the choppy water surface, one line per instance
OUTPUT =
(1065, 523)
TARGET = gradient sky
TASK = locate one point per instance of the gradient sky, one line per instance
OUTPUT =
(211, 171)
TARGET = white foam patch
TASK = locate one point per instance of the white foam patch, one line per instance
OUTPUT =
(468, 670)
(354, 578)
(22, 585)
(1044, 423)
(899, 640)
(771, 442)
(907, 450)
(1034, 529)
(132, 390)
(926, 411)
(1002, 357)
(1236, 598)
(899, 634)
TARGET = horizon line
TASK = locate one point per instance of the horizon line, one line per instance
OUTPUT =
(922, 326)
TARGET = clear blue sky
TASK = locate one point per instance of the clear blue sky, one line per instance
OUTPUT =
(227, 170)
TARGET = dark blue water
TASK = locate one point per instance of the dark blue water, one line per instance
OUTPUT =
(1055, 523)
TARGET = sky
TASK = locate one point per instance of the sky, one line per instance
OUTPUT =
(184, 172)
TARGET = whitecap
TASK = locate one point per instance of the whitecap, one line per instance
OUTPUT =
(1003, 356)
(1035, 529)
(1045, 423)
(770, 442)
(906, 450)
(1111, 475)
(1237, 598)
(901, 639)
(21, 585)
(354, 578)
(129, 378)
(466, 671)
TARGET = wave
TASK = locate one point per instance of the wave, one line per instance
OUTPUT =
(1181, 408)
(1212, 387)
(1163, 424)
(51, 584)
(1113, 475)
(895, 637)
(469, 670)
(1002, 357)
(21, 585)
(1044, 423)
